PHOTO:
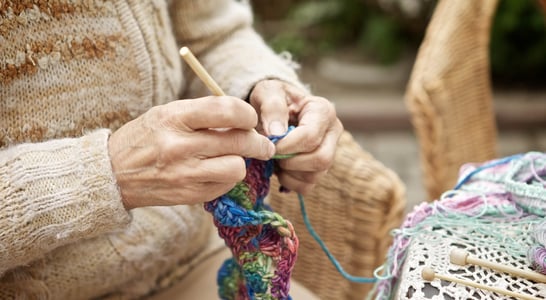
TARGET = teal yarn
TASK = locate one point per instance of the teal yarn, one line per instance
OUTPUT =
(524, 181)
(325, 249)
(506, 195)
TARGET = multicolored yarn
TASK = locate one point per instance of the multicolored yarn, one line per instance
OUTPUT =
(510, 189)
(263, 244)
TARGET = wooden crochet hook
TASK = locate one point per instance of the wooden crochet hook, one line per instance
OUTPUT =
(205, 77)
(200, 71)
(429, 275)
(461, 257)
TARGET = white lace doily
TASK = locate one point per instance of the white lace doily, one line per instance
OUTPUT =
(431, 248)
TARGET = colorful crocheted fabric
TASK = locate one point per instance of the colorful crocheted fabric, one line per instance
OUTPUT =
(263, 244)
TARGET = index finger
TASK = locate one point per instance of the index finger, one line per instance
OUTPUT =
(211, 112)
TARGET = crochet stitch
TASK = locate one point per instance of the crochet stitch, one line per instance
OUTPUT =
(264, 244)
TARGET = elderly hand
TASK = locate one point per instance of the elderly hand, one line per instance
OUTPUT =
(314, 139)
(183, 153)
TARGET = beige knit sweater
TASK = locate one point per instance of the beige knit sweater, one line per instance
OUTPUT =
(70, 72)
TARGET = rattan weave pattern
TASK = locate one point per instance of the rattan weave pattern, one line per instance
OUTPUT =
(449, 93)
(353, 208)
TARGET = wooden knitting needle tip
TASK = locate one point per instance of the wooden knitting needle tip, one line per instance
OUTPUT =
(461, 257)
(200, 71)
(428, 274)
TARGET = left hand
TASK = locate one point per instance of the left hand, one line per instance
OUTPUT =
(314, 140)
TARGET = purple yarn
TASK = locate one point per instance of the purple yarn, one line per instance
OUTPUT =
(511, 188)
(537, 258)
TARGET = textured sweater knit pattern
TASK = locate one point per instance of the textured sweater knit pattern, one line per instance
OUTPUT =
(72, 71)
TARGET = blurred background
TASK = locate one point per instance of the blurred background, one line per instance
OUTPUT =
(359, 54)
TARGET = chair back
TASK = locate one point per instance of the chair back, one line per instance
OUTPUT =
(449, 93)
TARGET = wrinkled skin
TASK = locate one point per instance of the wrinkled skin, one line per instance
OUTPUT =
(192, 151)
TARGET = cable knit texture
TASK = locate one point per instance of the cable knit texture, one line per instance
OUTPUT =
(71, 71)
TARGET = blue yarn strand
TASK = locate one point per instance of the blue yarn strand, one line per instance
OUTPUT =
(486, 166)
(315, 235)
(331, 257)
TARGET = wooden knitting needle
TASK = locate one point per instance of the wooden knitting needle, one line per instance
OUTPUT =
(198, 68)
(429, 275)
(461, 257)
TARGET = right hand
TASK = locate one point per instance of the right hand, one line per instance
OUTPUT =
(183, 153)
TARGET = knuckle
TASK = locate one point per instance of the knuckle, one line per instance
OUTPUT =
(305, 188)
(311, 142)
(322, 161)
(339, 126)
(326, 108)
(329, 108)
(227, 103)
(256, 95)
(154, 115)
(166, 112)
(238, 168)
(265, 149)
(263, 87)
(168, 116)
(313, 178)
(307, 177)
(159, 111)
(261, 150)
(236, 143)
(171, 149)
(269, 84)
(166, 143)
(230, 108)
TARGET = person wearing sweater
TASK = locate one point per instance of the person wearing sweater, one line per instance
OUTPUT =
(109, 143)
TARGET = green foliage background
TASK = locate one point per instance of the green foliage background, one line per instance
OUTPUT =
(317, 27)
(518, 42)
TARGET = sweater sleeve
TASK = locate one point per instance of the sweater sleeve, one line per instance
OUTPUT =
(54, 193)
(220, 34)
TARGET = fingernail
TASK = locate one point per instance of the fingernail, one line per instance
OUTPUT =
(276, 128)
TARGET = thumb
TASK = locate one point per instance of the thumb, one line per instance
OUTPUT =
(270, 100)
(274, 115)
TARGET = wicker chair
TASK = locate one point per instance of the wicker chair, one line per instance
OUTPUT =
(353, 208)
(449, 93)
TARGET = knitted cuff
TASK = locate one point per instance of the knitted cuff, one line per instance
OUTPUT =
(54, 193)
(243, 60)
